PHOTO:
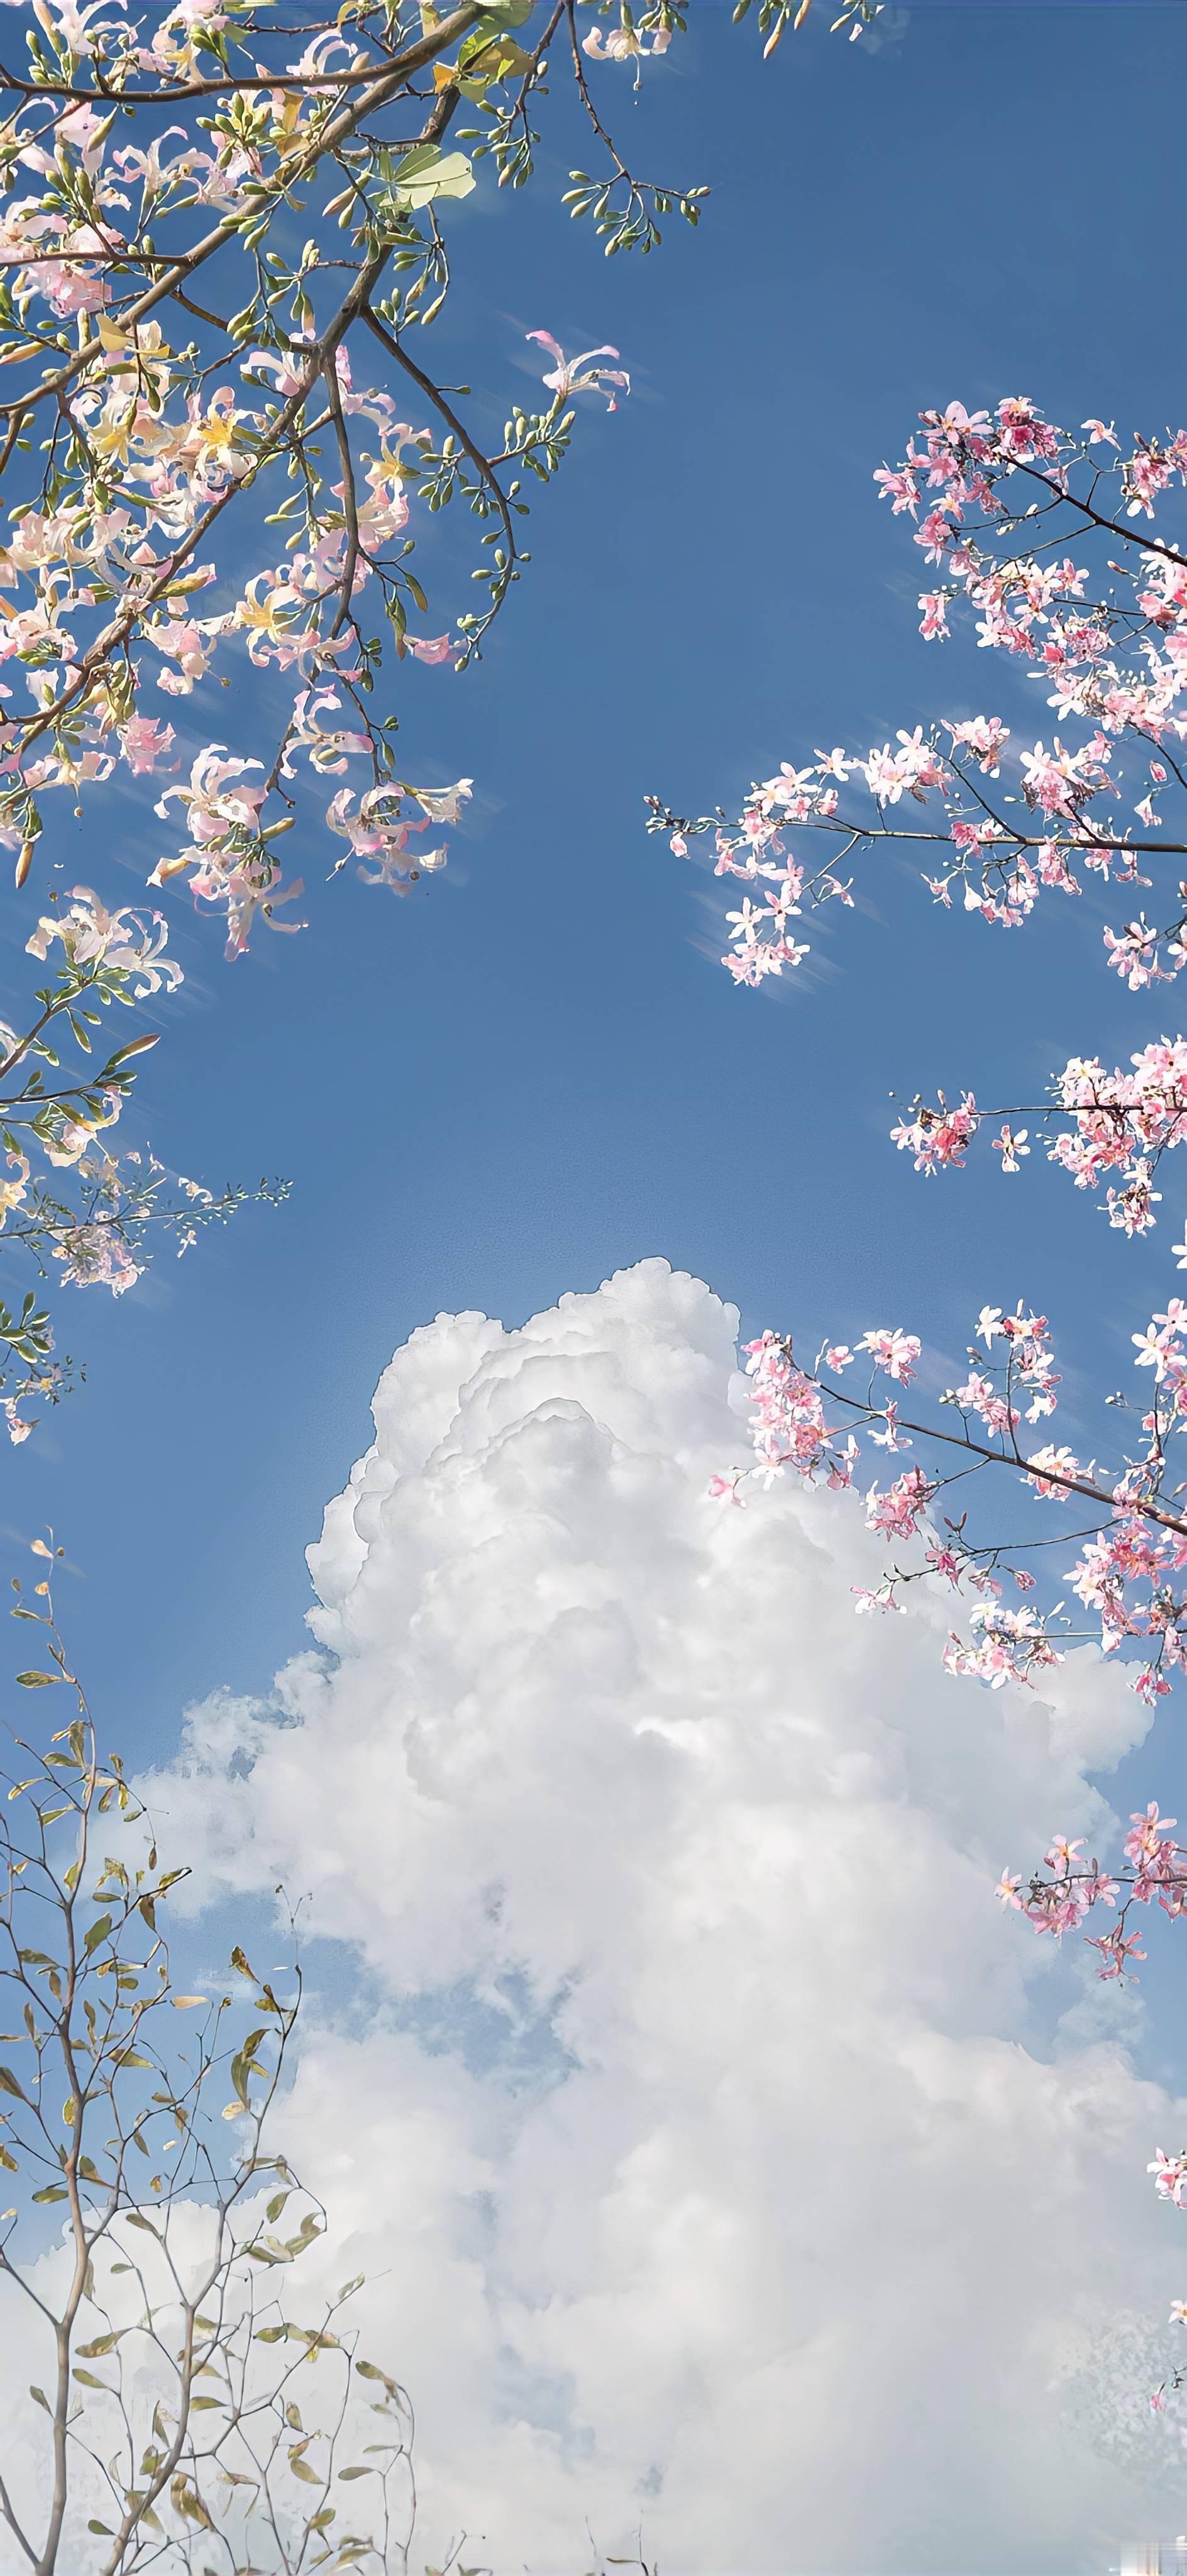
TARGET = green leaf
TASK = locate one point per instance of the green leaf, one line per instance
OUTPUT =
(310, 2230)
(427, 172)
(135, 1046)
(98, 1932)
(8, 2082)
(52, 2191)
(493, 53)
(37, 1681)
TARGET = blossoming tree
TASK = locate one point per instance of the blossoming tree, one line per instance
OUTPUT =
(208, 473)
(1061, 545)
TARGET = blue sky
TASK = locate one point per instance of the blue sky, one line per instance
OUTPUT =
(536, 1073)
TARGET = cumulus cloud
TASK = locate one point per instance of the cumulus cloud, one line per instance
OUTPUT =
(705, 2135)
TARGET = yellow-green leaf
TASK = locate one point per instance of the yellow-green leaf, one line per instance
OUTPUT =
(427, 172)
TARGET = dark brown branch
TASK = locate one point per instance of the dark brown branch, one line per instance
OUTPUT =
(432, 394)
(1115, 527)
(1151, 1511)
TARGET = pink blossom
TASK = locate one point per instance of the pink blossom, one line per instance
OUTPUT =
(1011, 1145)
(435, 648)
(897, 1512)
(895, 1351)
(144, 742)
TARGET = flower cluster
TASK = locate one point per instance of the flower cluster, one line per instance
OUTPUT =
(1094, 1124)
(65, 1197)
(1061, 1895)
(103, 581)
(1127, 1573)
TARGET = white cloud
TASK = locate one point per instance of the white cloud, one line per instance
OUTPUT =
(687, 2128)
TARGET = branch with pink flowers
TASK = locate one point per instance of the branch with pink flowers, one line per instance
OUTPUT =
(1106, 637)
(1046, 539)
(1064, 1893)
(805, 1422)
